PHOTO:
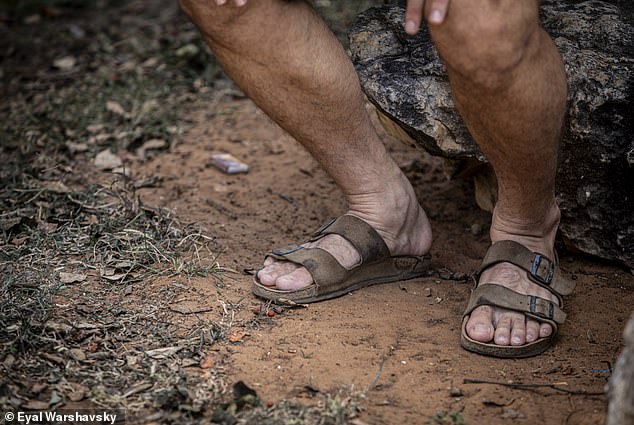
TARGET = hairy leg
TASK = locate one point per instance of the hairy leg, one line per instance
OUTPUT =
(509, 85)
(287, 61)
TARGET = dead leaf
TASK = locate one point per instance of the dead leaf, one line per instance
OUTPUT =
(114, 277)
(149, 105)
(53, 358)
(108, 271)
(87, 325)
(56, 187)
(137, 389)
(55, 398)
(123, 265)
(92, 346)
(76, 147)
(57, 327)
(98, 139)
(150, 62)
(163, 353)
(9, 361)
(187, 51)
(209, 360)
(236, 335)
(95, 128)
(46, 227)
(150, 144)
(106, 160)
(19, 241)
(117, 109)
(68, 278)
(77, 392)
(38, 387)
(65, 63)
(35, 405)
(131, 361)
(8, 223)
(189, 363)
(77, 354)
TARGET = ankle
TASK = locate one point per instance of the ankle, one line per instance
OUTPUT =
(394, 212)
(536, 233)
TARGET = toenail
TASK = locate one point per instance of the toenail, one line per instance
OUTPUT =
(502, 340)
(481, 328)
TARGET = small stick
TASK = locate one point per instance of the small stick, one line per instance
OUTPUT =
(378, 374)
(556, 387)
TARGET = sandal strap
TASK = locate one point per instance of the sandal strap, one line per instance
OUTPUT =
(538, 308)
(539, 268)
(322, 266)
(325, 270)
(368, 243)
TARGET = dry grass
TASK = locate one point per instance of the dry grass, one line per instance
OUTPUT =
(79, 250)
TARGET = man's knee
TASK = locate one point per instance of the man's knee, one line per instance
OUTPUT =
(484, 41)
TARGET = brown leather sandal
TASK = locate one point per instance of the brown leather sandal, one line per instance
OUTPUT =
(331, 279)
(540, 270)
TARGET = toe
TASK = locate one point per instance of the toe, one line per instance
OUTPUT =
(518, 330)
(297, 279)
(503, 330)
(266, 277)
(532, 330)
(480, 324)
(270, 273)
(545, 330)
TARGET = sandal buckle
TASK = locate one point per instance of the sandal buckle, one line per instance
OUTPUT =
(541, 307)
(324, 227)
(536, 267)
(287, 250)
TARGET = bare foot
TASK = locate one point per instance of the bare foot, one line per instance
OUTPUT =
(395, 214)
(505, 327)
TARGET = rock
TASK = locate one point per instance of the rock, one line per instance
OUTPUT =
(106, 160)
(406, 81)
(620, 388)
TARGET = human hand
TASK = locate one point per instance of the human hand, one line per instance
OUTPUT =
(238, 3)
(436, 11)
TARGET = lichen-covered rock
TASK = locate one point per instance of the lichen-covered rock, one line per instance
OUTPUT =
(404, 77)
(621, 385)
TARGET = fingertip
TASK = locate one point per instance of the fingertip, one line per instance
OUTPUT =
(436, 17)
(411, 27)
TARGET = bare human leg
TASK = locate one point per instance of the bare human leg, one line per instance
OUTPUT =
(288, 62)
(509, 85)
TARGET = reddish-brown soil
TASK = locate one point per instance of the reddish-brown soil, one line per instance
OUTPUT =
(396, 344)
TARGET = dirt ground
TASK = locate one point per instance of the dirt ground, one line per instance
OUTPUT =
(139, 328)
(396, 343)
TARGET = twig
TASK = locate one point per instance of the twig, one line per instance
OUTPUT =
(378, 374)
(193, 235)
(556, 387)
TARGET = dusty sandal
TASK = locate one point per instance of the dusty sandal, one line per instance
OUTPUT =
(331, 279)
(540, 270)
